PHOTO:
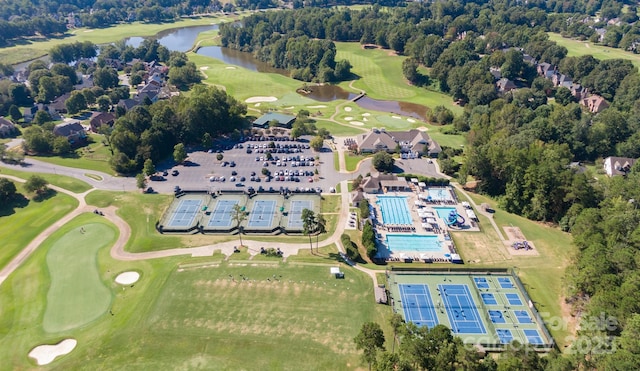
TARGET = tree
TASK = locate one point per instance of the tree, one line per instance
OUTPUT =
(36, 184)
(316, 143)
(103, 102)
(75, 103)
(370, 339)
(308, 224)
(321, 227)
(219, 156)
(106, 78)
(61, 146)
(7, 190)
(179, 153)
(42, 117)
(396, 322)
(238, 216)
(149, 168)
(383, 162)
(141, 181)
(14, 113)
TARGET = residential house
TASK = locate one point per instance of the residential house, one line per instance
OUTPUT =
(545, 70)
(560, 79)
(99, 119)
(505, 85)
(7, 128)
(579, 91)
(618, 165)
(30, 113)
(114, 63)
(86, 81)
(58, 104)
(495, 72)
(128, 104)
(72, 130)
(595, 103)
(283, 120)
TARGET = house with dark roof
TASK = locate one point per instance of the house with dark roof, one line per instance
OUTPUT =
(594, 103)
(505, 85)
(412, 141)
(283, 120)
(99, 119)
(618, 165)
(545, 70)
(128, 104)
(560, 79)
(356, 197)
(72, 130)
(7, 128)
(58, 104)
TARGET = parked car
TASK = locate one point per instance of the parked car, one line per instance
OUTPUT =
(175, 173)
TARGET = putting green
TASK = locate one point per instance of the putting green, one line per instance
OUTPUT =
(77, 295)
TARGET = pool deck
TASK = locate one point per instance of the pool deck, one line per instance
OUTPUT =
(432, 225)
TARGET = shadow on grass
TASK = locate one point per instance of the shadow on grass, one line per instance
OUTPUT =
(43, 196)
(17, 202)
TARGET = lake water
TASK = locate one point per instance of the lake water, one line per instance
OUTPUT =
(177, 39)
(241, 59)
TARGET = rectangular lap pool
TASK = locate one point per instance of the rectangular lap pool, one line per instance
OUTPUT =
(394, 209)
(413, 242)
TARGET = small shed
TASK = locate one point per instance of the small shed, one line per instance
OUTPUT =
(336, 272)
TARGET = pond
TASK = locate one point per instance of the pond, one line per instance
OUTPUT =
(241, 59)
(176, 39)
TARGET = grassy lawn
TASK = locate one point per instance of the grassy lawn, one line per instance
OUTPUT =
(94, 156)
(577, 48)
(381, 77)
(352, 161)
(330, 204)
(73, 271)
(62, 181)
(448, 140)
(35, 48)
(21, 224)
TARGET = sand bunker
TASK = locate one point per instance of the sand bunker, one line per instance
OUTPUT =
(93, 30)
(204, 68)
(423, 128)
(230, 68)
(348, 109)
(366, 114)
(396, 117)
(45, 354)
(320, 106)
(357, 123)
(411, 121)
(365, 119)
(291, 107)
(127, 278)
(260, 99)
(348, 118)
(257, 104)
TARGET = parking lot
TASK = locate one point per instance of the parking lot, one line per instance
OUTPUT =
(289, 164)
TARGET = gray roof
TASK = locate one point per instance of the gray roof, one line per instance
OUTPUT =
(413, 140)
(68, 128)
(283, 120)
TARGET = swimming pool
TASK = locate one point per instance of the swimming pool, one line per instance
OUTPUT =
(443, 212)
(394, 210)
(439, 194)
(413, 242)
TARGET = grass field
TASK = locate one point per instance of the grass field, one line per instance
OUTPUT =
(62, 181)
(351, 161)
(77, 296)
(94, 156)
(577, 48)
(34, 48)
(21, 224)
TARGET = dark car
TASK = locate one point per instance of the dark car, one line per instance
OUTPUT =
(149, 190)
(175, 173)
(165, 173)
(234, 173)
(176, 189)
(242, 179)
(232, 164)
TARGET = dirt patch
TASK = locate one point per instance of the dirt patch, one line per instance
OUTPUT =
(515, 238)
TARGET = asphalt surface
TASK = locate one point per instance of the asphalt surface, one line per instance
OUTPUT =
(196, 172)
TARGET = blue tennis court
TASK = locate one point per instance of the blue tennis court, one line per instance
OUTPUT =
(522, 316)
(481, 282)
(461, 310)
(533, 336)
(489, 299)
(513, 298)
(504, 335)
(505, 282)
(262, 213)
(496, 316)
(221, 215)
(295, 214)
(185, 213)
(417, 305)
